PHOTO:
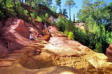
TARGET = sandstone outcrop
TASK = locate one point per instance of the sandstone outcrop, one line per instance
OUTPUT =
(109, 52)
(0, 25)
(51, 70)
(86, 63)
(3, 51)
(57, 55)
(60, 51)
(16, 33)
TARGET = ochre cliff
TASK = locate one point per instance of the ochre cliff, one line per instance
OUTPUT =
(56, 55)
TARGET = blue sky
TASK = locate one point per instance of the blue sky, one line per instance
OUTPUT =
(77, 7)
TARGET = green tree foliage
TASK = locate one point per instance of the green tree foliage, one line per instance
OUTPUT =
(66, 26)
(71, 35)
(58, 3)
(74, 18)
(39, 19)
(93, 9)
(45, 17)
(65, 12)
(25, 9)
(47, 3)
(108, 8)
(96, 16)
(70, 4)
(61, 23)
(54, 8)
(8, 8)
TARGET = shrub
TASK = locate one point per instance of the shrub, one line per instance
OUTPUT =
(25, 12)
(61, 22)
(96, 37)
(64, 25)
(98, 47)
(81, 36)
(39, 19)
(71, 35)
(32, 15)
(46, 15)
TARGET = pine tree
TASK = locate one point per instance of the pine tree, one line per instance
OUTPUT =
(64, 12)
(69, 4)
(58, 3)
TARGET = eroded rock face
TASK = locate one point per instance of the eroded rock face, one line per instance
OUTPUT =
(40, 56)
(87, 63)
(51, 70)
(109, 52)
(3, 50)
(54, 32)
(16, 33)
(0, 25)
(63, 46)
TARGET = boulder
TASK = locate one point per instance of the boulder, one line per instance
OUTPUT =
(109, 52)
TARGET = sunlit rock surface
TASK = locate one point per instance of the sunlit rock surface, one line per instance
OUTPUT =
(60, 51)
(89, 62)
(62, 46)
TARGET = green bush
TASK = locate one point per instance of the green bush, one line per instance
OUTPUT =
(81, 36)
(98, 47)
(39, 19)
(46, 15)
(71, 35)
(96, 37)
(61, 22)
(32, 15)
(25, 12)
(65, 25)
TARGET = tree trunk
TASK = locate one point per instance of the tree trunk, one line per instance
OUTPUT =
(70, 11)
(60, 9)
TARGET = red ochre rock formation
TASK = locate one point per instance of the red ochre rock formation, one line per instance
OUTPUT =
(16, 33)
(3, 50)
(109, 52)
(0, 25)
(59, 51)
